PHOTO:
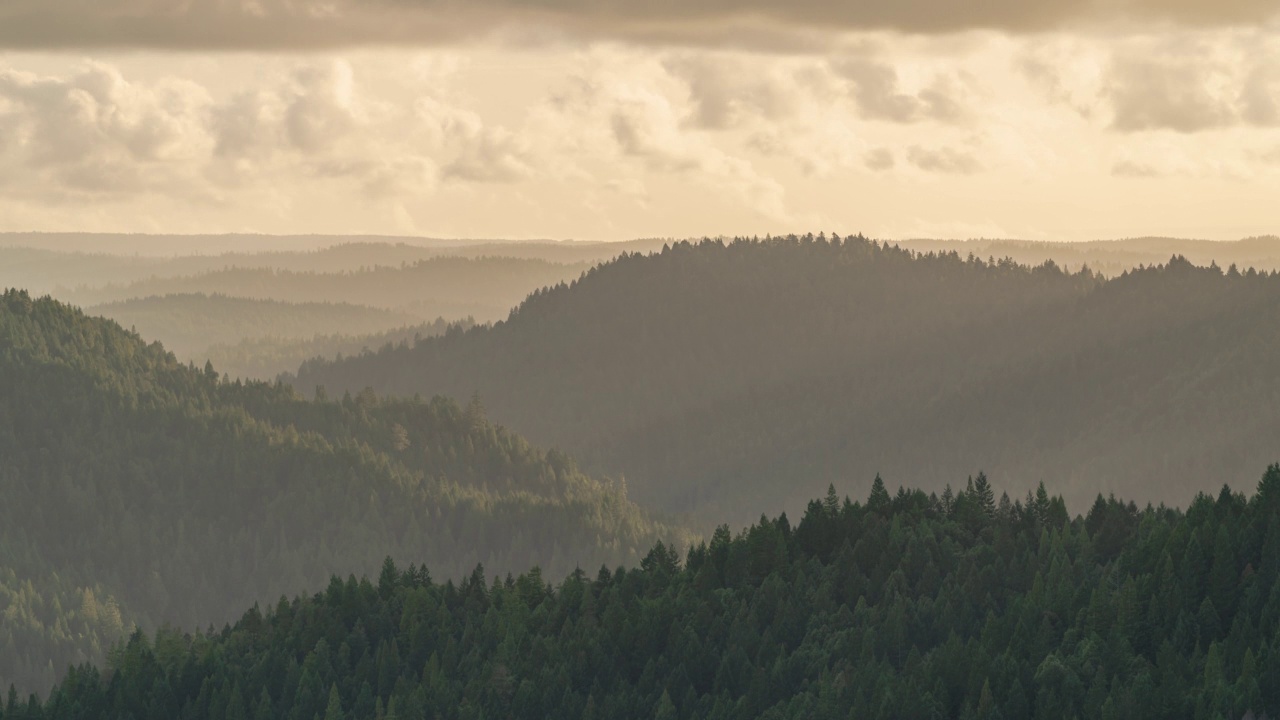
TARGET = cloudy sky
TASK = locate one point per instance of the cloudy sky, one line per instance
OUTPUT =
(614, 119)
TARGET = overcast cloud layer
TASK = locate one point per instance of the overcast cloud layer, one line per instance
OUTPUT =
(313, 24)
(607, 119)
(1057, 136)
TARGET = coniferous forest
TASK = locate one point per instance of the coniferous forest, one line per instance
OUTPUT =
(459, 360)
(179, 543)
(139, 490)
(902, 606)
(725, 379)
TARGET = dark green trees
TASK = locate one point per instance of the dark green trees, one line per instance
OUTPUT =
(135, 489)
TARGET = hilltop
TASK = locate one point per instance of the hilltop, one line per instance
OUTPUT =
(173, 496)
(723, 379)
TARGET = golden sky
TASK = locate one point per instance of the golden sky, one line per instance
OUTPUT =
(604, 119)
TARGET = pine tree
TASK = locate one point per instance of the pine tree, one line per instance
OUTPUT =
(334, 710)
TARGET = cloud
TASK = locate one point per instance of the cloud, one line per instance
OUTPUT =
(315, 24)
(875, 88)
(1174, 94)
(727, 92)
(1260, 95)
(473, 151)
(625, 110)
(1191, 86)
(879, 159)
(94, 135)
(1133, 169)
(943, 160)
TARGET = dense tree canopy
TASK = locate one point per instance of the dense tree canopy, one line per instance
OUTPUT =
(173, 495)
(727, 379)
(905, 606)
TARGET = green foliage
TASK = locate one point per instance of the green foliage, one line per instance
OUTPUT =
(178, 497)
(725, 378)
(909, 610)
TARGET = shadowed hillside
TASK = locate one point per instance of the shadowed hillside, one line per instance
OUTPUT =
(189, 324)
(726, 379)
(173, 496)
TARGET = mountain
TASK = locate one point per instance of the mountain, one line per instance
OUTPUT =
(51, 263)
(450, 287)
(171, 245)
(725, 379)
(266, 358)
(1114, 257)
(190, 324)
(906, 606)
(181, 498)
(61, 273)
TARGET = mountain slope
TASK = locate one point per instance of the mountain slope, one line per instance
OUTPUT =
(186, 498)
(266, 358)
(911, 606)
(727, 379)
(190, 323)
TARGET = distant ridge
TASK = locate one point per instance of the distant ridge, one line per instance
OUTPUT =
(725, 379)
(1112, 257)
(202, 244)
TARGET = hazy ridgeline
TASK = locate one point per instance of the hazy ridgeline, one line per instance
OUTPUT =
(906, 606)
(265, 358)
(273, 310)
(41, 270)
(128, 277)
(483, 288)
(726, 380)
(1113, 257)
(189, 324)
(139, 489)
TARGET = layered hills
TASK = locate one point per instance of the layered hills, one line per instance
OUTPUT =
(138, 489)
(726, 379)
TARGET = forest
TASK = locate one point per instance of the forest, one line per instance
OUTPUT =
(906, 605)
(1113, 258)
(726, 379)
(189, 324)
(266, 358)
(139, 490)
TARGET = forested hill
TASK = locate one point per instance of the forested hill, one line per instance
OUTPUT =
(731, 379)
(139, 489)
(452, 287)
(914, 606)
(189, 324)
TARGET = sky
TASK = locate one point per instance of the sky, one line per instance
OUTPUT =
(611, 120)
